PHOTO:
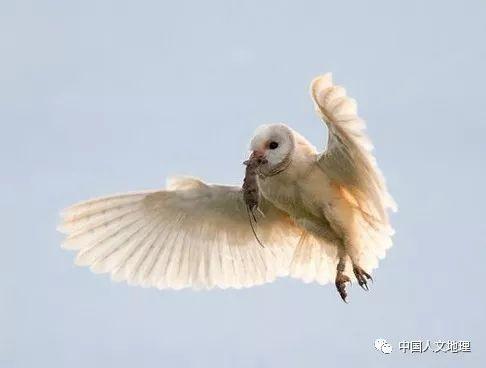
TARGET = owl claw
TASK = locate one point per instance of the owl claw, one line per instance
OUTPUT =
(362, 277)
(341, 280)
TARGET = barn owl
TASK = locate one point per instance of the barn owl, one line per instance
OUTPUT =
(321, 217)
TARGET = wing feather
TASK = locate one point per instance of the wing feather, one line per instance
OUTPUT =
(190, 235)
(350, 165)
(348, 159)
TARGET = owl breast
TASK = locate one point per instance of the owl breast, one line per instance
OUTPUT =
(300, 196)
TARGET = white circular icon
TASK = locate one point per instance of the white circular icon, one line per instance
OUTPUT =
(386, 348)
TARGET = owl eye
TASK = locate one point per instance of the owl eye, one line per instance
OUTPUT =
(273, 145)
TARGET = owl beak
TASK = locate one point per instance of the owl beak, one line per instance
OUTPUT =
(258, 154)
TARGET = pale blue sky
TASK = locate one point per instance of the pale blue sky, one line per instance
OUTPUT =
(99, 97)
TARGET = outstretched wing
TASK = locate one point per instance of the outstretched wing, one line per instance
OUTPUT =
(348, 159)
(190, 235)
(350, 165)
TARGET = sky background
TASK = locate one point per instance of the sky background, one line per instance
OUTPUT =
(99, 97)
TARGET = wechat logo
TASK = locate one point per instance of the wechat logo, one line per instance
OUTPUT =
(383, 346)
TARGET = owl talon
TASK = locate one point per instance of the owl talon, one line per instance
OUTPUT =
(362, 276)
(341, 280)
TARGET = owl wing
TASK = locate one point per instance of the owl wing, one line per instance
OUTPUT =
(350, 165)
(190, 235)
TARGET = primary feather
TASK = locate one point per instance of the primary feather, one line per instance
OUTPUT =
(191, 235)
(348, 159)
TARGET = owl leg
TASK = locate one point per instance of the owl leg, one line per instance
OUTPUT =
(341, 278)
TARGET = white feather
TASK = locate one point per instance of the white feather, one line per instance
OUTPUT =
(193, 235)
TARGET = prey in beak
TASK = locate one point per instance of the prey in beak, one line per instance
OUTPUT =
(251, 194)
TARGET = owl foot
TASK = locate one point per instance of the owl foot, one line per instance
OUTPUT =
(341, 280)
(362, 276)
